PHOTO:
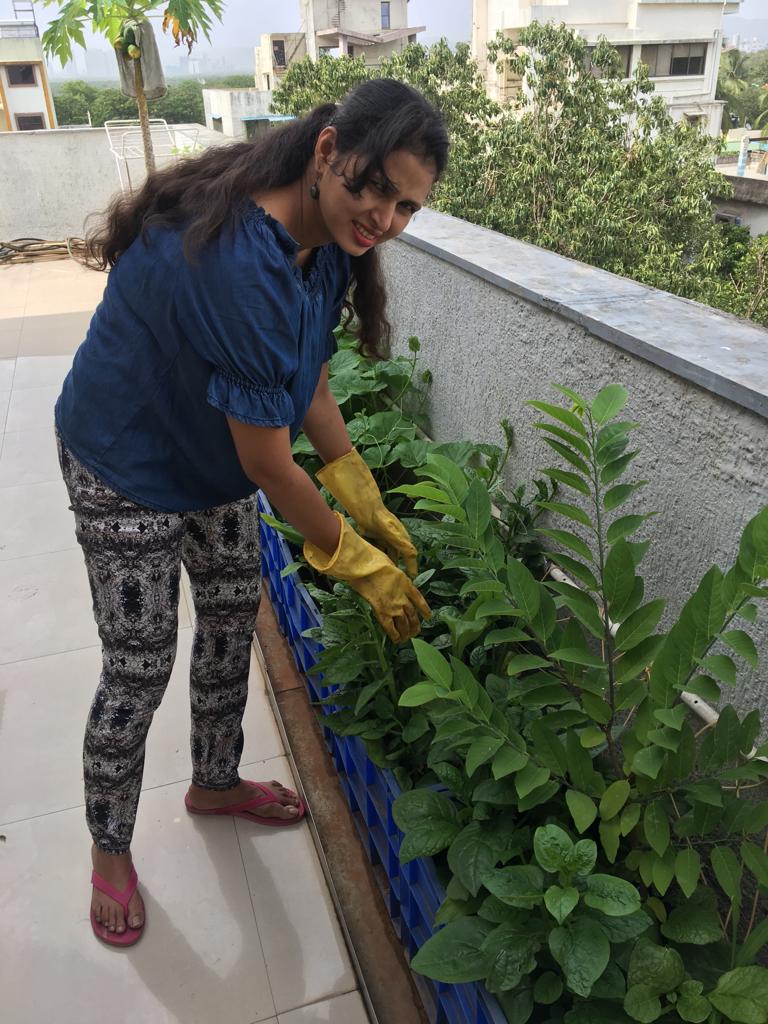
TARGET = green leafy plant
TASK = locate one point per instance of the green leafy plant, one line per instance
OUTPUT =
(580, 732)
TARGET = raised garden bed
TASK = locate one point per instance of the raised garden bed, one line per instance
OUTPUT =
(412, 891)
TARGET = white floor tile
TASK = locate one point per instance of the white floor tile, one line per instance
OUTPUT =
(346, 1009)
(200, 960)
(41, 371)
(49, 698)
(5, 399)
(29, 457)
(55, 333)
(35, 519)
(7, 369)
(45, 606)
(32, 408)
(303, 946)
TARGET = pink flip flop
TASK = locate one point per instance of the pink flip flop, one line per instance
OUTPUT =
(123, 897)
(247, 807)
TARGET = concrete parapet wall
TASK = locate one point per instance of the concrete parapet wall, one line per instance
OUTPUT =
(500, 320)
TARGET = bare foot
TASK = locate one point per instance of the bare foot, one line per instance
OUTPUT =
(208, 799)
(115, 868)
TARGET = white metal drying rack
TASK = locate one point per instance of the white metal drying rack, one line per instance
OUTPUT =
(127, 146)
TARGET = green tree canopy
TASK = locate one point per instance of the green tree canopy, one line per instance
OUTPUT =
(582, 161)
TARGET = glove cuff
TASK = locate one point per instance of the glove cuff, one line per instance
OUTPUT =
(320, 559)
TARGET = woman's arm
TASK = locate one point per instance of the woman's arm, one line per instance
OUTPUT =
(324, 425)
(265, 455)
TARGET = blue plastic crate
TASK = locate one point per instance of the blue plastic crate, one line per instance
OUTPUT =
(412, 892)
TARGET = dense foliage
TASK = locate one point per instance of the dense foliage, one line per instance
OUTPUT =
(743, 83)
(604, 856)
(76, 101)
(589, 165)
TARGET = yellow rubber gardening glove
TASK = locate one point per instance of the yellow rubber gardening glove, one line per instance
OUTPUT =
(396, 603)
(351, 483)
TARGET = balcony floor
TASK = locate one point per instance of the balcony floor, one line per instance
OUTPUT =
(241, 927)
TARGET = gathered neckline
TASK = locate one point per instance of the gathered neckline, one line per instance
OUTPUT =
(290, 247)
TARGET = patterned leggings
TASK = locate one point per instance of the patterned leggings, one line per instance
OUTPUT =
(133, 556)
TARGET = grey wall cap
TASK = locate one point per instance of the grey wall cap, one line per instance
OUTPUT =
(717, 351)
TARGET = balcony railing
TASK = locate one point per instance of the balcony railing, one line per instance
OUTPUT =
(18, 30)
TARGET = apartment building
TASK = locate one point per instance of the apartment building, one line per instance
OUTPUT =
(26, 102)
(360, 28)
(679, 40)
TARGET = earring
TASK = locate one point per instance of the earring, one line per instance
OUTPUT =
(315, 191)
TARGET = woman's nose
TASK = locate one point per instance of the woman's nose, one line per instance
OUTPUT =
(381, 216)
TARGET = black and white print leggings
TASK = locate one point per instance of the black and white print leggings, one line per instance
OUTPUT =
(133, 556)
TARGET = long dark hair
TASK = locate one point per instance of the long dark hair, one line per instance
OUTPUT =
(206, 194)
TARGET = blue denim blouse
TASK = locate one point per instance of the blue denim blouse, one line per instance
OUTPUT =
(176, 346)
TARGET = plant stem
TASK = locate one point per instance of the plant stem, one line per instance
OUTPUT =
(141, 103)
(608, 636)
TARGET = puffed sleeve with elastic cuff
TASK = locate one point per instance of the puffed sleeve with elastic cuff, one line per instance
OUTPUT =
(239, 308)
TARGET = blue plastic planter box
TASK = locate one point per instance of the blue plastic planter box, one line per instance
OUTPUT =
(412, 891)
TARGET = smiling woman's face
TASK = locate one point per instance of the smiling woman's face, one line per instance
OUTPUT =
(359, 220)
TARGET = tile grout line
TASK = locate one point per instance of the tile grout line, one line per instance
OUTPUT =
(255, 919)
(316, 1002)
(144, 789)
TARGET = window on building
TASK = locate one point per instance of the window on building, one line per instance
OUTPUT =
(217, 125)
(412, 39)
(625, 56)
(385, 18)
(674, 59)
(278, 52)
(350, 50)
(21, 74)
(30, 122)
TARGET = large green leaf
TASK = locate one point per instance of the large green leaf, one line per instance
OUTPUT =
(614, 798)
(565, 416)
(658, 967)
(743, 644)
(525, 590)
(568, 479)
(608, 403)
(727, 870)
(700, 621)
(512, 955)
(427, 839)
(639, 625)
(582, 808)
(432, 663)
(411, 808)
(482, 750)
(560, 901)
(687, 869)
(583, 951)
(742, 995)
(518, 886)
(656, 826)
(611, 895)
(454, 954)
(552, 848)
(470, 857)
(618, 575)
(696, 923)
(569, 540)
(642, 1004)
(477, 505)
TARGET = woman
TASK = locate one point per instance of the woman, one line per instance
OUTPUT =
(206, 357)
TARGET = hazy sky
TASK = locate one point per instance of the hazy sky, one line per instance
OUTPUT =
(245, 20)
